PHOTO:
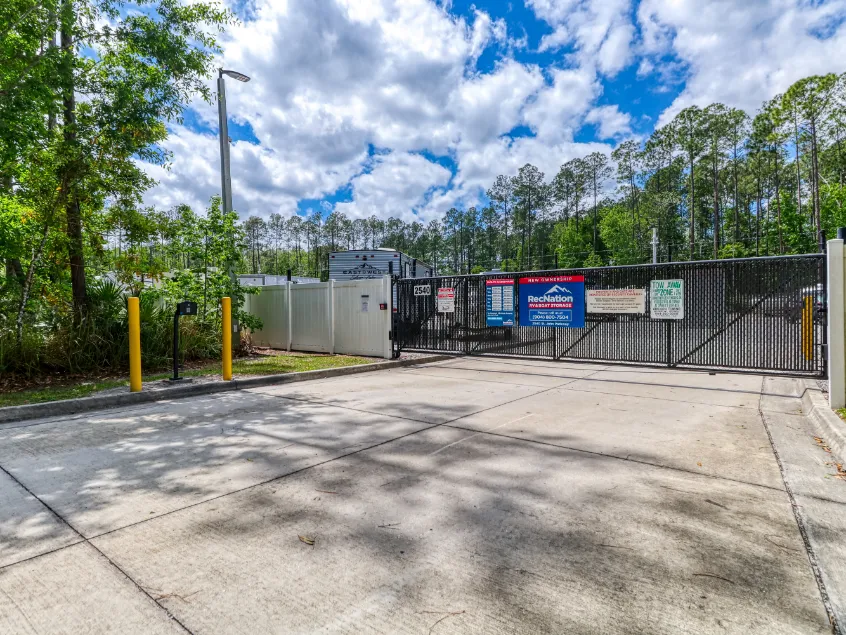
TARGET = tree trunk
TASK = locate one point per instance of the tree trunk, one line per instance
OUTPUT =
(634, 204)
(27, 285)
(815, 183)
(798, 166)
(14, 270)
(594, 212)
(758, 220)
(736, 205)
(505, 225)
(778, 205)
(73, 211)
(691, 208)
(716, 209)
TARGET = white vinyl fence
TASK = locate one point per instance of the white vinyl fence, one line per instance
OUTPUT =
(325, 317)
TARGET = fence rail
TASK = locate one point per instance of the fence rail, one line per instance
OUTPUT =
(743, 314)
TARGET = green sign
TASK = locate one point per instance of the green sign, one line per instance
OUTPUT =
(666, 300)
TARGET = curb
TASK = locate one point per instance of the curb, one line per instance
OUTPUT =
(827, 424)
(12, 414)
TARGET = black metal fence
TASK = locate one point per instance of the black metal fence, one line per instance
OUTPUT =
(757, 314)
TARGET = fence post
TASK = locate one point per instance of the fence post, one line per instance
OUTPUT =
(387, 350)
(836, 326)
(290, 299)
(330, 291)
(467, 331)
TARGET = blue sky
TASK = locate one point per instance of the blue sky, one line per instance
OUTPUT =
(408, 107)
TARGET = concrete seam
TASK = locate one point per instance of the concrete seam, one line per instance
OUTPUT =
(692, 403)
(485, 381)
(620, 458)
(86, 541)
(803, 532)
(428, 426)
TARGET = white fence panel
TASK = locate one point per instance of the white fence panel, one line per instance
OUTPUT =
(361, 328)
(271, 306)
(325, 317)
(311, 317)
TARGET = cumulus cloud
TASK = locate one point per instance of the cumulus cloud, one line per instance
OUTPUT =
(611, 123)
(398, 184)
(600, 31)
(332, 80)
(740, 53)
(353, 95)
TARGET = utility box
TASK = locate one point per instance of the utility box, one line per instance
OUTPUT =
(186, 308)
(363, 264)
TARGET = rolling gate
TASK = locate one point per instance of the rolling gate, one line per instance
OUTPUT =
(752, 314)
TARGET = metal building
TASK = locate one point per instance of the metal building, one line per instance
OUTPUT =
(361, 264)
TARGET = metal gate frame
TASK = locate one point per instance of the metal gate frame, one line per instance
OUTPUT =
(762, 315)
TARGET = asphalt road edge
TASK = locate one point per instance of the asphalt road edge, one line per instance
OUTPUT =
(13, 414)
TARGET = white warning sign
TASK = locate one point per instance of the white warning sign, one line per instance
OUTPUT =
(446, 300)
(666, 300)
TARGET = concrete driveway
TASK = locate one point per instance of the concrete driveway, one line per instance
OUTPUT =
(467, 496)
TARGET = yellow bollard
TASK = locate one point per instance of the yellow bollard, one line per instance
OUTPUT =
(227, 338)
(134, 345)
(808, 327)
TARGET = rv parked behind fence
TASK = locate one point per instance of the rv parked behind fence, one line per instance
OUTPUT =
(361, 264)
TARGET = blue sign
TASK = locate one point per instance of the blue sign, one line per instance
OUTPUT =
(553, 301)
(499, 302)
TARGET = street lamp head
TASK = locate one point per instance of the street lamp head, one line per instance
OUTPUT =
(235, 75)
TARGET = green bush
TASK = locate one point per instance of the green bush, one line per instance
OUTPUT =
(100, 341)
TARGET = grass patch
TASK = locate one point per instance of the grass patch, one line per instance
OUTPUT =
(274, 364)
(56, 393)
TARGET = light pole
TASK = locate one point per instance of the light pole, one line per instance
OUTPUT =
(654, 245)
(225, 178)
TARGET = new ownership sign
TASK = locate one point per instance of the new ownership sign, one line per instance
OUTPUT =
(553, 301)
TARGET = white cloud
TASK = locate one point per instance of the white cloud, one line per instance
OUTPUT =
(331, 79)
(610, 121)
(600, 31)
(741, 53)
(397, 185)
(335, 78)
(556, 112)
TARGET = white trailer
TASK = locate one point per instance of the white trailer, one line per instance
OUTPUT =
(363, 264)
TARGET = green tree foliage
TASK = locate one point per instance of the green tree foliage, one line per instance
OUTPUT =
(86, 90)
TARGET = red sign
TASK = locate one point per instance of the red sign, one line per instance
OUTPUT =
(545, 279)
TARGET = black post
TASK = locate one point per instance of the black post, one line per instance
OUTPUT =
(183, 308)
(414, 267)
(822, 241)
(467, 315)
(390, 267)
(289, 275)
(556, 260)
(175, 346)
(669, 342)
(841, 233)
